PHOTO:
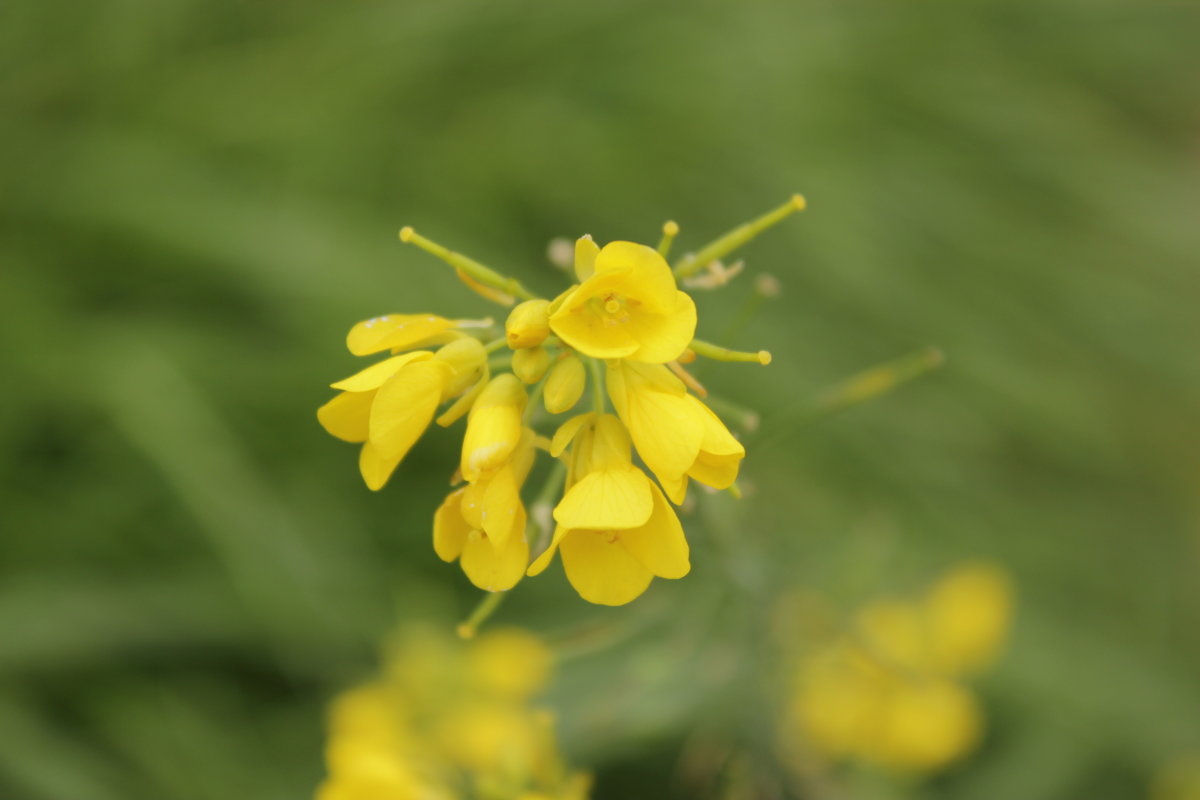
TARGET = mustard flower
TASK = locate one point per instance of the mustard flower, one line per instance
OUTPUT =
(626, 330)
(445, 720)
(627, 305)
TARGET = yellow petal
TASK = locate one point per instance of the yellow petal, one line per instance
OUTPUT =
(663, 337)
(718, 472)
(503, 514)
(659, 545)
(491, 569)
(404, 407)
(375, 375)
(926, 725)
(392, 331)
(610, 447)
(717, 438)
(674, 488)
(589, 332)
(449, 528)
(665, 427)
(610, 499)
(346, 415)
(585, 257)
(543, 560)
(375, 468)
(567, 432)
(969, 612)
(471, 505)
(601, 570)
(647, 276)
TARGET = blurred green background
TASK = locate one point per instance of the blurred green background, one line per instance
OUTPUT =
(198, 199)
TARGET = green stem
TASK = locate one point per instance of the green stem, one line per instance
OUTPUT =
(485, 275)
(544, 499)
(494, 345)
(726, 244)
(470, 626)
(534, 398)
(597, 385)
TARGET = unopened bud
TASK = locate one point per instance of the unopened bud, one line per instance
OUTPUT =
(467, 358)
(528, 325)
(531, 363)
(565, 385)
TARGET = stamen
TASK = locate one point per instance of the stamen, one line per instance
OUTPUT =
(670, 230)
(467, 266)
(724, 245)
(612, 305)
(688, 379)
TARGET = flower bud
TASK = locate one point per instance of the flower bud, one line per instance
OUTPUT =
(565, 385)
(528, 324)
(530, 364)
(467, 359)
(493, 426)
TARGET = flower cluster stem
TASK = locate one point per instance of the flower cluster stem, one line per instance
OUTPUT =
(597, 384)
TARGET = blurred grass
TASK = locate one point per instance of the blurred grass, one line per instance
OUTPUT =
(197, 200)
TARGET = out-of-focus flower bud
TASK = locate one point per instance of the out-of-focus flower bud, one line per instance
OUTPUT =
(530, 364)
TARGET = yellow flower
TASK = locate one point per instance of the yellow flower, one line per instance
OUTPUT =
(889, 694)
(483, 523)
(956, 629)
(615, 530)
(388, 405)
(676, 435)
(447, 720)
(627, 305)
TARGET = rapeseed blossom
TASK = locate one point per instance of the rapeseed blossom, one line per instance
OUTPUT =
(626, 330)
(444, 720)
(890, 691)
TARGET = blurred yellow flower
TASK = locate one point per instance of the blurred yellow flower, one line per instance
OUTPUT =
(627, 305)
(1178, 779)
(449, 720)
(888, 693)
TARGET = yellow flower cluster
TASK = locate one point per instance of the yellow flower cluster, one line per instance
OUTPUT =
(448, 720)
(627, 325)
(889, 693)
